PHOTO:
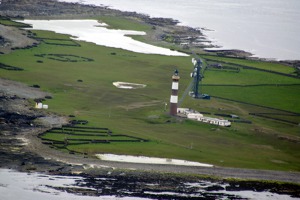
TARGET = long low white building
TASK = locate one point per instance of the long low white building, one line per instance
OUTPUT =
(195, 115)
(215, 121)
(186, 111)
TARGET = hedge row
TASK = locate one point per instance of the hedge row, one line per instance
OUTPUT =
(81, 127)
(283, 114)
(26, 47)
(8, 67)
(242, 102)
(273, 118)
(222, 70)
(254, 68)
(254, 85)
(262, 115)
(65, 57)
(241, 121)
(73, 43)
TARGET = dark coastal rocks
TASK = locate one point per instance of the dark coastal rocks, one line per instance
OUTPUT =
(231, 53)
(248, 185)
(168, 186)
(25, 8)
(16, 119)
(3, 42)
(158, 21)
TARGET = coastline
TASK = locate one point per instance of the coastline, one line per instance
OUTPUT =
(37, 157)
(187, 39)
(232, 26)
(22, 136)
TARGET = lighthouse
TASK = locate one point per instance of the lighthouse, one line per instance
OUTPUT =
(174, 95)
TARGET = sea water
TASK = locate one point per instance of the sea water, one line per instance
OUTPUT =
(267, 28)
(27, 186)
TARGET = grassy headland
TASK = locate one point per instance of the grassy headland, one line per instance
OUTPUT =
(263, 144)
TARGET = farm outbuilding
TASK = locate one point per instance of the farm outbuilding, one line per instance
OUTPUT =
(183, 110)
(41, 106)
(186, 111)
(215, 121)
(195, 115)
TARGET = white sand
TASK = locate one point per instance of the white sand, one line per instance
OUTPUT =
(148, 160)
(126, 85)
(93, 31)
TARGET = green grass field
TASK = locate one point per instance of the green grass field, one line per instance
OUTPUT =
(253, 63)
(264, 144)
(7, 22)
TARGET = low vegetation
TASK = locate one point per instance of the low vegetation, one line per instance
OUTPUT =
(270, 141)
(7, 22)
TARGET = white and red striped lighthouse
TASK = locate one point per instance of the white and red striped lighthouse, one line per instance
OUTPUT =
(174, 95)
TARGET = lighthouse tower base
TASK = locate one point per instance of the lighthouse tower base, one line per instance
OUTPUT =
(174, 95)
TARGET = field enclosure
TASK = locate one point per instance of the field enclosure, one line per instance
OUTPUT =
(69, 136)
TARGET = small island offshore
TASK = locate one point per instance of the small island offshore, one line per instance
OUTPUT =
(67, 103)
